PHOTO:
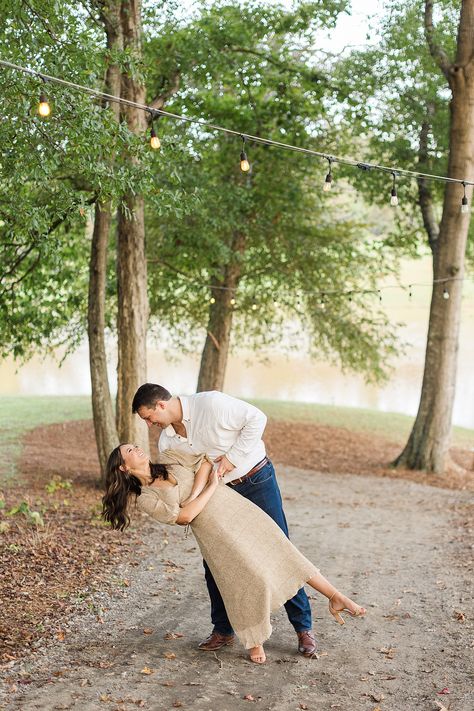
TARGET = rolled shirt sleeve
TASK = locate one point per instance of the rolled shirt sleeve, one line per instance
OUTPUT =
(151, 503)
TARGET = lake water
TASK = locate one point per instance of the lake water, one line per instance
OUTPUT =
(288, 378)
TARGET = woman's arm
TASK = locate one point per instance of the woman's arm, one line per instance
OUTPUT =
(200, 480)
(191, 510)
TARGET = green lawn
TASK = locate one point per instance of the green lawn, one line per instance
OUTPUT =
(389, 424)
(19, 414)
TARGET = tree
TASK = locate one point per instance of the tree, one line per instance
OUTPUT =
(428, 443)
(400, 104)
(61, 166)
(263, 248)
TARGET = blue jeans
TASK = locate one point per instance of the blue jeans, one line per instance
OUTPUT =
(262, 488)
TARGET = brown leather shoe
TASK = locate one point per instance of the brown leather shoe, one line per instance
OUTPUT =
(306, 644)
(216, 641)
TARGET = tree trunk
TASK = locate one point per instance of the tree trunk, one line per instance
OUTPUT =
(102, 407)
(131, 260)
(216, 348)
(428, 444)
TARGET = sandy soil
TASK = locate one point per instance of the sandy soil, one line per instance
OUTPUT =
(401, 548)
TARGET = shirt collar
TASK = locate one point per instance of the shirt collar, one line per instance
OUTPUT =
(185, 407)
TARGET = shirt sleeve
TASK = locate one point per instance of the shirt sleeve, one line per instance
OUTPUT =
(247, 420)
(151, 503)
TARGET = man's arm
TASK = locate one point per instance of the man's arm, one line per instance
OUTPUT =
(247, 421)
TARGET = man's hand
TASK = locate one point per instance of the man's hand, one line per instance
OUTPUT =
(224, 466)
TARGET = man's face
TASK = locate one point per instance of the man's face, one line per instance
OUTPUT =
(157, 415)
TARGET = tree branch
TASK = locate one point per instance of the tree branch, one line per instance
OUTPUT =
(160, 100)
(437, 52)
(425, 195)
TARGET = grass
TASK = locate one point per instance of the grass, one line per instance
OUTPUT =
(22, 413)
(391, 425)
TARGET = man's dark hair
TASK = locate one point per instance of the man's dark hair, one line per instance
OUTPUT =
(148, 395)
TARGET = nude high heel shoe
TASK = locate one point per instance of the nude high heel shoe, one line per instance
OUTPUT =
(359, 612)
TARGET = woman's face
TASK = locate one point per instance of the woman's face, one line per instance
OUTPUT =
(132, 456)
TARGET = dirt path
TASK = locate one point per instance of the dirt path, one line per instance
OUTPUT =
(398, 547)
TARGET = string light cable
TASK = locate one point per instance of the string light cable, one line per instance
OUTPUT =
(395, 172)
(323, 295)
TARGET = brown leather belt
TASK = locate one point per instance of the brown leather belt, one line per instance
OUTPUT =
(253, 471)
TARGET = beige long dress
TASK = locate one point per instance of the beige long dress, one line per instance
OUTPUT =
(256, 568)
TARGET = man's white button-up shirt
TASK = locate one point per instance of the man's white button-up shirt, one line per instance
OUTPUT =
(218, 424)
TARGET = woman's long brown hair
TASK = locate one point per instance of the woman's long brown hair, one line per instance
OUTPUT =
(119, 485)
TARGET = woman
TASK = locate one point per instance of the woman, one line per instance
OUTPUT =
(255, 566)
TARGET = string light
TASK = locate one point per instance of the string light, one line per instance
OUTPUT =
(256, 139)
(445, 294)
(254, 307)
(393, 194)
(410, 293)
(44, 109)
(212, 300)
(232, 302)
(155, 142)
(328, 181)
(244, 164)
(464, 202)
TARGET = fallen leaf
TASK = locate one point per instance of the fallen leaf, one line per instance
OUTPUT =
(460, 616)
(173, 635)
(105, 698)
(167, 683)
(249, 697)
(61, 635)
(444, 691)
(147, 670)
(177, 704)
(388, 651)
(377, 697)
(148, 630)
(169, 655)
(303, 706)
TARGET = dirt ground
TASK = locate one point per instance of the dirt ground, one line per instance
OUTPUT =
(400, 547)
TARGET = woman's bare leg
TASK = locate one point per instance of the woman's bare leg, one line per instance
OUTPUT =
(337, 601)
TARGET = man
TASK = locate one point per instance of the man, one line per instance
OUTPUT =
(230, 432)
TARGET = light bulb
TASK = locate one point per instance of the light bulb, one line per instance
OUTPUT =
(155, 142)
(327, 183)
(212, 300)
(445, 294)
(394, 197)
(254, 307)
(464, 205)
(244, 164)
(44, 109)
(232, 302)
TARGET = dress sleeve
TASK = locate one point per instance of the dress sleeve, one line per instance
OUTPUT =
(151, 503)
(189, 461)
